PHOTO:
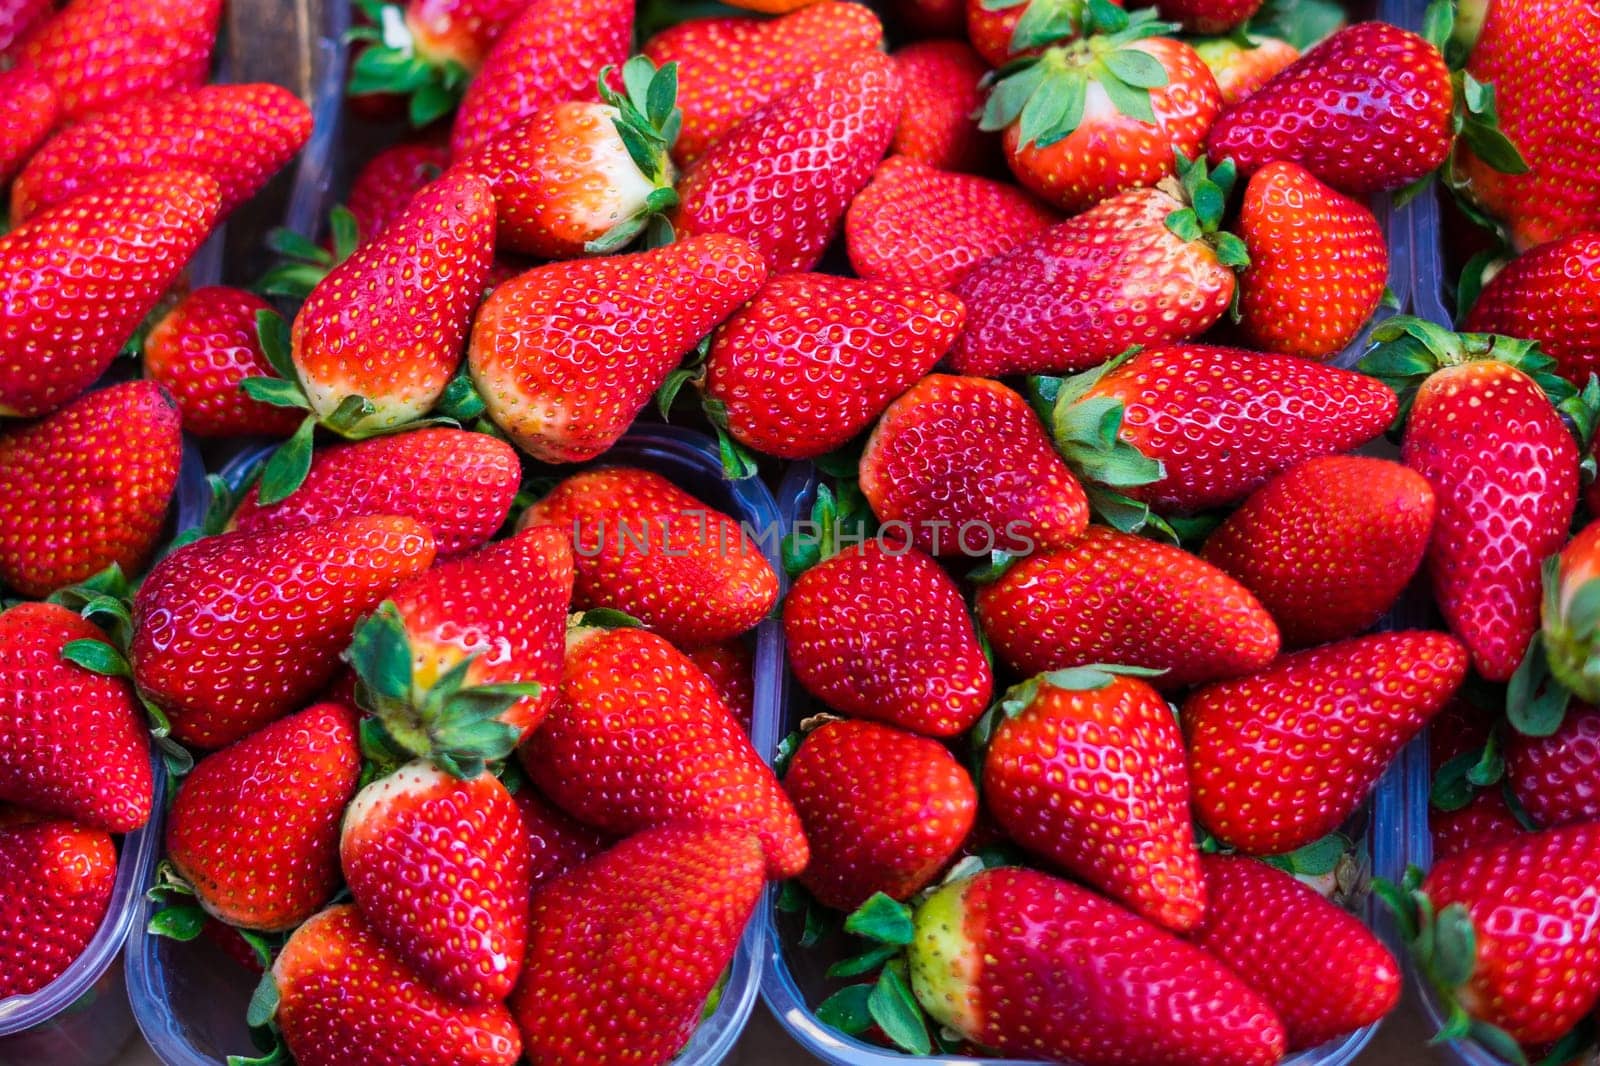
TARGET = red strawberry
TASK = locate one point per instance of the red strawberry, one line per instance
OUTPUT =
(783, 177)
(1570, 640)
(344, 997)
(645, 547)
(87, 487)
(28, 112)
(729, 67)
(1116, 598)
(1329, 545)
(600, 977)
(885, 634)
(58, 879)
(19, 17)
(1086, 769)
(1280, 758)
(640, 738)
(425, 50)
(913, 225)
(235, 631)
(1321, 969)
(1484, 821)
(1460, 817)
(937, 127)
(1207, 16)
(254, 829)
(72, 741)
(884, 811)
(730, 666)
(458, 31)
(1557, 778)
(564, 373)
(961, 465)
(81, 277)
(1242, 68)
(1318, 264)
(1002, 30)
(383, 187)
(1549, 295)
(556, 843)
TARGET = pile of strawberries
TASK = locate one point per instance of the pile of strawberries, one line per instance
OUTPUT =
(1050, 291)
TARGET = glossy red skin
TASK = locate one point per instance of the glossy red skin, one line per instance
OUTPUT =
(201, 350)
(813, 359)
(19, 17)
(884, 634)
(459, 31)
(731, 667)
(1094, 781)
(383, 187)
(1281, 758)
(457, 483)
(937, 126)
(962, 464)
(58, 879)
(1328, 546)
(1557, 778)
(1241, 71)
(783, 177)
(556, 843)
(1087, 289)
(640, 738)
(236, 631)
(28, 111)
(73, 743)
(1551, 295)
(645, 547)
(1505, 472)
(883, 810)
(1531, 903)
(105, 260)
(344, 998)
(254, 828)
(1366, 110)
(1322, 970)
(1207, 16)
(625, 949)
(914, 225)
(1459, 728)
(1116, 598)
(87, 487)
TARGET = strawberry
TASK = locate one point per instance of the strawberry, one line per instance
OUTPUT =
(1556, 778)
(344, 997)
(1001, 30)
(58, 878)
(598, 982)
(72, 740)
(1242, 67)
(441, 870)
(929, 18)
(383, 187)
(728, 68)
(458, 484)
(237, 135)
(564, 373)
(913, 225)
(82, 276)
(942, 96)
(1549, 295)
(885, 635)
(640, 738)
(556, 843)
(235, 631)
(1085, 768)
(425, 50)
(1461, 815)
(254, 828)
(1322, 970)
(1485, 820)
(1208, 16)
(645, 547)
(730, 667)
(1504, 470)
(884, 811)
(1329, 545)
(1279, 759)
(28, 111)
(783, 177)
(961, 464)
(18, 18)
(1569, 636)
(1116, 598)
(1318, 264)
(87, 487)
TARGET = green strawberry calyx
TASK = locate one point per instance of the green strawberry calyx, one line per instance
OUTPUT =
(1203, 195)
(1019, 697)
(1474, 119)
(1043, 22)
(1563, 658)
(302, 262)
(390, 63)
(648, 122)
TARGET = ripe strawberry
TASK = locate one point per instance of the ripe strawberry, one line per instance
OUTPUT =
(1461, 815)
(1116, 598)
(28, 112)
(597, 976)
(1367, 110)
(1321, 969)
(961, 465)
(72, 741)
(728, 68)
(640, 738)
(343, 997)
(1557, 778)
(1318, 264)
(1002, 30)
(913, 225)
(1569, 629)
(645, 547)
(87, 487)
(458, 31)
(383, 187)
(18, 18)
(937, 127)
(783, 177)
(1549, 295)
(58, 879)
(425, 50)
(236, 631)
(564, 373)
(556, 843)
(1280, 758)
(1207, 16)
(81, 277)
(1329, 545)
(1086, 769)
(730, 667)
(1486, 820)
(1243, 67)
(254, 828)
